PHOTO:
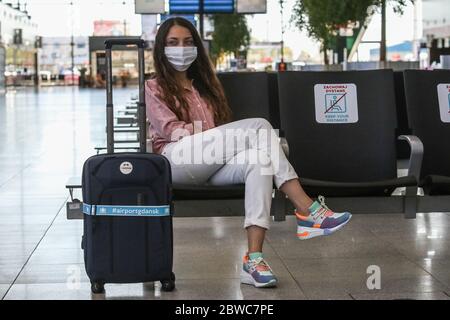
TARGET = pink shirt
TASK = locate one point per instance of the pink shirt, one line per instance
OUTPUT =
(165, 127)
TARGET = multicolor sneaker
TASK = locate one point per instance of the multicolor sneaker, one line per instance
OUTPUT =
(258, 273)
(321, 222)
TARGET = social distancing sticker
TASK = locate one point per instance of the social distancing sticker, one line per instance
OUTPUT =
(336, 103)
(444, 101)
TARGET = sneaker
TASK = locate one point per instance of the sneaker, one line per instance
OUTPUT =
(257, 273)
(321, 222)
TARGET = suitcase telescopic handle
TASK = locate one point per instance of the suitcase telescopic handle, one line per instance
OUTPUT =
(142, 117)
(140, 43)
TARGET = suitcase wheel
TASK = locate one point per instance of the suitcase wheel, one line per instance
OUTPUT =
(168, 285)
(97, 287)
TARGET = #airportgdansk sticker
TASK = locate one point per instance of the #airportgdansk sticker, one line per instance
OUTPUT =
(336, 103)
(444, 101)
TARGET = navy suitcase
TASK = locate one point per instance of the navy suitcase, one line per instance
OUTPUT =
(127, 206)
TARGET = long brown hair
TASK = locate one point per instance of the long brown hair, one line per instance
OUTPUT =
(201, 71)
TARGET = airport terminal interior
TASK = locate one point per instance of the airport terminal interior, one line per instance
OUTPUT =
(364, 123)
(46, 137)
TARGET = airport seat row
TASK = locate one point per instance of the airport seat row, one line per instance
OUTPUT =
(352, 163)
(355, 164)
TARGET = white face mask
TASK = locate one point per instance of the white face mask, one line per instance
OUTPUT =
(181, 58)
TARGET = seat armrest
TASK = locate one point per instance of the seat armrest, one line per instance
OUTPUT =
(285, 146)
(416, 157)
(74, 183)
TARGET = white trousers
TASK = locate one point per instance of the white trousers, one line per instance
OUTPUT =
(246, 151)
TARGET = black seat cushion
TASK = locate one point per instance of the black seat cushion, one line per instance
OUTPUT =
(361, 152)
(436, 185)
(252, 95)
(355, 189)
(349, 159)
(206, 192)
(425, 121)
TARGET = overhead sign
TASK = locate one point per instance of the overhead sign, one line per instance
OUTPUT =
(186, 6)
(336, 103)
(218, 6)
(194, 6)
(189, 17)
(149, 6)
(444, 102)
(251, 6)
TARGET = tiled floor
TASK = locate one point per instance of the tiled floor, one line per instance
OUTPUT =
(46, 136)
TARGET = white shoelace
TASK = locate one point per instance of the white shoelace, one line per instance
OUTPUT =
(321, 212)
(259, 261)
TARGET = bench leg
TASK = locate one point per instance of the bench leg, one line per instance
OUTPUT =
(279, 206)
(411, 203)
(410, 207)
